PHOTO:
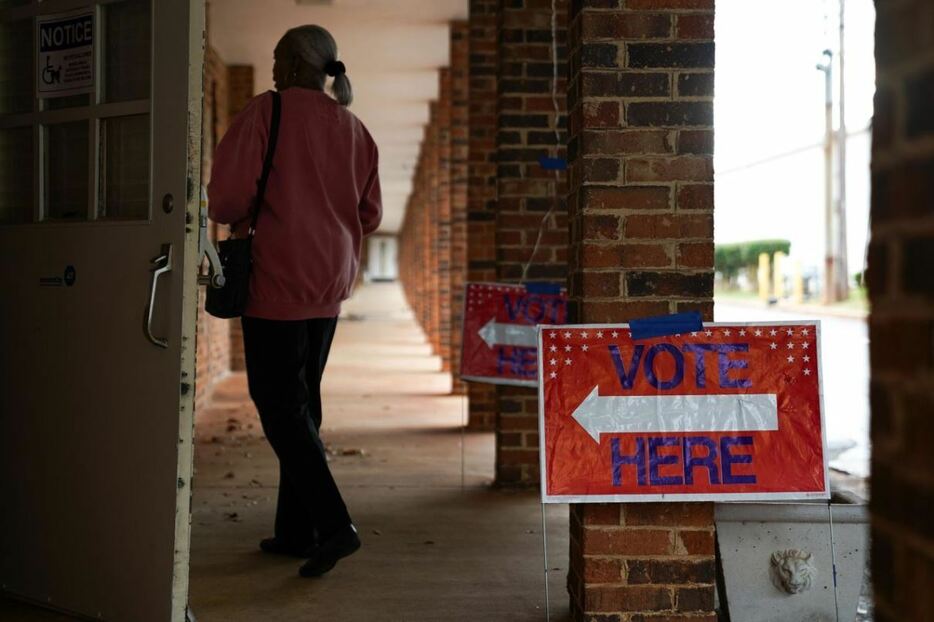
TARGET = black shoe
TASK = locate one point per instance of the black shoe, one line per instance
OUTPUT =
(326, 555)
(278, 547)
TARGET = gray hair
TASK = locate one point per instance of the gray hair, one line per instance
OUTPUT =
(316, 49)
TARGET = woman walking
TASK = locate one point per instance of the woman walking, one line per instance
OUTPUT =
(321, 199)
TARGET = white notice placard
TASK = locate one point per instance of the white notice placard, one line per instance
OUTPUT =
(65, 54)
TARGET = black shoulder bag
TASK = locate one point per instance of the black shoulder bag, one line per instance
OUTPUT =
(229, 300)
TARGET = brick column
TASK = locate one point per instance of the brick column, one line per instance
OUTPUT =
(641, 208)
(481, 175)
(213, 337)
(460, 92)
(239, 92)
(901, 324)
(443, 232)
(526, 122)
(432, 229)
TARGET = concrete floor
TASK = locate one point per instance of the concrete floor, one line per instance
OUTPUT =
(437, 545)
(433, 550)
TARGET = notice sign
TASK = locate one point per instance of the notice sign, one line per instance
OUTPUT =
(730, 412)
(66, 54)
(500, 334)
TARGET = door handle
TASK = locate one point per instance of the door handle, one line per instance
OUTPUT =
(215, 277)
(160, 265)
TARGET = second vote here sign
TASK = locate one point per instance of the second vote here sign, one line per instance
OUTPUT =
(500, 330)
(732, 411)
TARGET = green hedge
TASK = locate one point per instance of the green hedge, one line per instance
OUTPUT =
(730, 259)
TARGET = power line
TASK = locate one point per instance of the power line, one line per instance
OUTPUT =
(787, 154)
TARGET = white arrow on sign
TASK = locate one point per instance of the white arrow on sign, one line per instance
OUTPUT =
(622, 414)
(494, 333)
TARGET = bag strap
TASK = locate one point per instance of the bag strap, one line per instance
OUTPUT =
(267, 162)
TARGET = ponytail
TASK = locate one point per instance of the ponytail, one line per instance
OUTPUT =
(342, 90)
(317, 50)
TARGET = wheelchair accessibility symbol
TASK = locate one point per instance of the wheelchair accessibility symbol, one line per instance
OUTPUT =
(51, 74)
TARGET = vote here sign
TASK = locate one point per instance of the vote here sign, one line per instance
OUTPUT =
(730, 412)
(500, 330)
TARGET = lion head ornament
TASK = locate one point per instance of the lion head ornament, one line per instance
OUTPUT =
(792, 571)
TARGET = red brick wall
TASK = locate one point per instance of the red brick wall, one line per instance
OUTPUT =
(526, 124)
(213, 335)
(901, 324)
(418, 246)
(460, 93)
(240, 90)
(442, 233)
(433, 238)
(220, 342)
(641, 207)
(481, 176)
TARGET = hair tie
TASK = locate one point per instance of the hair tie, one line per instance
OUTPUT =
(334, 68)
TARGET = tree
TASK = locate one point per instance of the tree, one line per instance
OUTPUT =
(730, 259)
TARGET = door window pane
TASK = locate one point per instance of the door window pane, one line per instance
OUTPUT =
(16, 175)
(124, 178)
(69, 101)
(127, 50)
(66, 170)
(16, 68)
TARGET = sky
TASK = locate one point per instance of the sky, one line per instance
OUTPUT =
(770, 101)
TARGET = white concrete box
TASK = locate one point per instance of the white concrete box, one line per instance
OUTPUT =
(777, 562)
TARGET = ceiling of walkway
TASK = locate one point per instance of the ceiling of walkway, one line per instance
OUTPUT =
(393, 50)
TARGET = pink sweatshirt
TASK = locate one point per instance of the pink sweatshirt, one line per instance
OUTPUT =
(322, 198)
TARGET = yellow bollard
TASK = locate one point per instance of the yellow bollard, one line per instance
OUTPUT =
(778, 275)
(763, 277)
(797, 293)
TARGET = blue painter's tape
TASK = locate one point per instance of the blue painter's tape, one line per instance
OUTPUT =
(553, 164)
(543, 289)
(664, 325)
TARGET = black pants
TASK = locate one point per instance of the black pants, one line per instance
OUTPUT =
(285, 361)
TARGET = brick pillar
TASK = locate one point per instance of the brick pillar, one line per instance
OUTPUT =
(460, 92)
(239, 92)
(416, 247)
(213, 337)
(481, 175)
(443, 232)
(901, 323)
(641, 207)
(431, 223)
(526, 122)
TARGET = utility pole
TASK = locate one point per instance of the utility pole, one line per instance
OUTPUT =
(829, 280)
(841, 273)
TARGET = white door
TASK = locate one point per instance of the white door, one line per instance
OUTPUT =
(96, 395)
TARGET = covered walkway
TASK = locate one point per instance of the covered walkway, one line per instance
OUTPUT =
(433, 550)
